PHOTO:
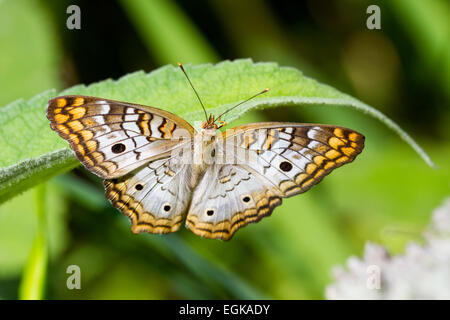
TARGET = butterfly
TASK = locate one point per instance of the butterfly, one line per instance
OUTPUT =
(160, 171)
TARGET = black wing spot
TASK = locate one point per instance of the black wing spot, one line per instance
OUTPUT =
(118, 148)
(209, 212)
(246, 199)
(167, 207)
(139, 187)
(285, 166)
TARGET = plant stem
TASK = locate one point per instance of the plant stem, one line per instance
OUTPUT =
(33, 278)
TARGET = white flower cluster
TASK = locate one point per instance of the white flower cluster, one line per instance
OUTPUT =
(423, 272)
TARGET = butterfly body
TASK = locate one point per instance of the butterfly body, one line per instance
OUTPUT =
(203, 143)
(160, 171)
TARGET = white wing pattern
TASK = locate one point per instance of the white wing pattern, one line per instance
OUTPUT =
(112, 138)
(130, 146)
(138, 149)
(155, 197)
(282, 160)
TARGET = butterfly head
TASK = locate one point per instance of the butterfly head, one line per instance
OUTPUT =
(210, 123)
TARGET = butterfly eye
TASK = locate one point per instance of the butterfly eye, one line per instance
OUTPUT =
(246, 199)
(118, 148)
(139, 187)
(210, 212)
(167, 207)
(285, 166)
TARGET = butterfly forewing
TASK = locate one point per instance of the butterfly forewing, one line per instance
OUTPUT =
(112, 138)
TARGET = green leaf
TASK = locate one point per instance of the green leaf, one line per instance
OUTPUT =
(32, 152)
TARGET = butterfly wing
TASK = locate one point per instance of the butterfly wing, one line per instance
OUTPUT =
(271, 161)
(112, 138)
(154, 197)
(235, 198)
(136, 149)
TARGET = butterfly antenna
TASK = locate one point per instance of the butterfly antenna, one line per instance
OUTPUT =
(264, 91)
(192, 86)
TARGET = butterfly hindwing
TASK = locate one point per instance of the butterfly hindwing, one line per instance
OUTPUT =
(154, 197)
(235, 198)
(279, 160)
(112, 138)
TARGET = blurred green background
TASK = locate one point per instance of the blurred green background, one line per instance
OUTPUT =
(386, 195)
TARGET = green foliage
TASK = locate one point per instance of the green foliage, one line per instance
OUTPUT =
(33, 280)
(151, 20)
(19, 222)
(29, 63)
(26, 28)
(38, 153)
(429, 29)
